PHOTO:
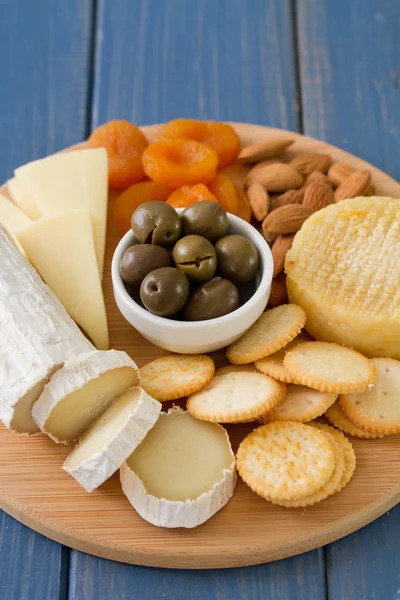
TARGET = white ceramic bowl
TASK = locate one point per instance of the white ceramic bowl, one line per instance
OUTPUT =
(197, 337)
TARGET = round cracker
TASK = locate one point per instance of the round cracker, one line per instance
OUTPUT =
(236, 398)
(301, 404)
(377, 410)
(331, 486)
(273, 330)
(330, 368)
(338, 419)
(272, 365)
(284, 461)
(250, 368)
(177, 375)
(347, 449)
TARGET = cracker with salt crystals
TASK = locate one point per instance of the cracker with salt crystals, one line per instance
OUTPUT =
(377, 410)
(250, 368)
(330, 368)
(177, 375)
(347, 449)
(284, 461)
(338, 419)
(272, 365)
(301, 404)
(236, 398)
(273, 330)
(330, 487)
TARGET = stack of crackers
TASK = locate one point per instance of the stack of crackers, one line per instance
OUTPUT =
(281, 378)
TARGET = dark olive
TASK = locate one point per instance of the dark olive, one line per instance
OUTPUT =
(237, 258)
(212, 299)
(156, 222)
(139, 260)
(195, 256)
(205, 218)
(164, 291)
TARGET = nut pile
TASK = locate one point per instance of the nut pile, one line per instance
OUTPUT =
(282, 195)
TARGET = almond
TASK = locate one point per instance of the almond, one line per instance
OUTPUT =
(268, 236)
(259, 201)
(267, 149)
(353, 186)
(313, 177)
(279, 248)
(318, 195)
(339, 172)
(262, 164)
(308, 163)
(286, 219)
(278, 293)
(289, 197)
(277, 178)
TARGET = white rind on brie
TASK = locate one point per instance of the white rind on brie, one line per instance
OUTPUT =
(112, 438)
(36, 337)
(78, 393)
(172, 513)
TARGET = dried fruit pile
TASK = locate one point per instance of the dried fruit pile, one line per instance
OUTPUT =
(282, 195)
(181, 165)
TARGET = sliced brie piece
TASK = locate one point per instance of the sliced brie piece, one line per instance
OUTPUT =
(69, 180)
(12, 218)
(23, 199)
(112, 438)
(80, 391)
(36, 337)
(62, 250)
(182, 473)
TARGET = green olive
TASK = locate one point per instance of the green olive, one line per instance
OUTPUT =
(140, 259)
(164, 291)
(212, 299)
(195, 256)
(205, 218)
(237, 258)
(157, 223)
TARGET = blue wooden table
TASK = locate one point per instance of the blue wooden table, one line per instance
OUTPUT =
(328, 68)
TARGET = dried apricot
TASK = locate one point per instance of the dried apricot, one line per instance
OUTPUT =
(131, 198)
(244, 204)
(224, 190)
(220, 136)
(125, 144)
(180, 162)
(187, 194)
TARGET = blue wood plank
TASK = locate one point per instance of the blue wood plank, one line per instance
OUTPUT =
(301, 578)
(45, 50)
(350, 76)
(228, 60)
(45, 60)
(349, 55)
(31, 566)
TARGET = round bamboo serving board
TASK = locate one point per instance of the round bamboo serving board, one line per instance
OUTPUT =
(249, 530)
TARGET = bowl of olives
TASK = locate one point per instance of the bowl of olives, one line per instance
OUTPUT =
(191, 280)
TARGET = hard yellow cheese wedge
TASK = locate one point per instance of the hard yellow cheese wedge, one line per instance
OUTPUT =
(23, 199)
(12, 218)
(71, 180)
(62, 250)
(344, 270)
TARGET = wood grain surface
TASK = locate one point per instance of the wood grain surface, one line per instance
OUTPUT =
(248, 530)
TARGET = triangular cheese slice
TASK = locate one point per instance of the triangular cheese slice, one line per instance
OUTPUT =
(23, 199)
(12, 218)
(62, 250)
(70, 180)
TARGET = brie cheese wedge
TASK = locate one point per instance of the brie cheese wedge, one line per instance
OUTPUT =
(112, 438)
(36, 337)
(182, 473)
(80, 391)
